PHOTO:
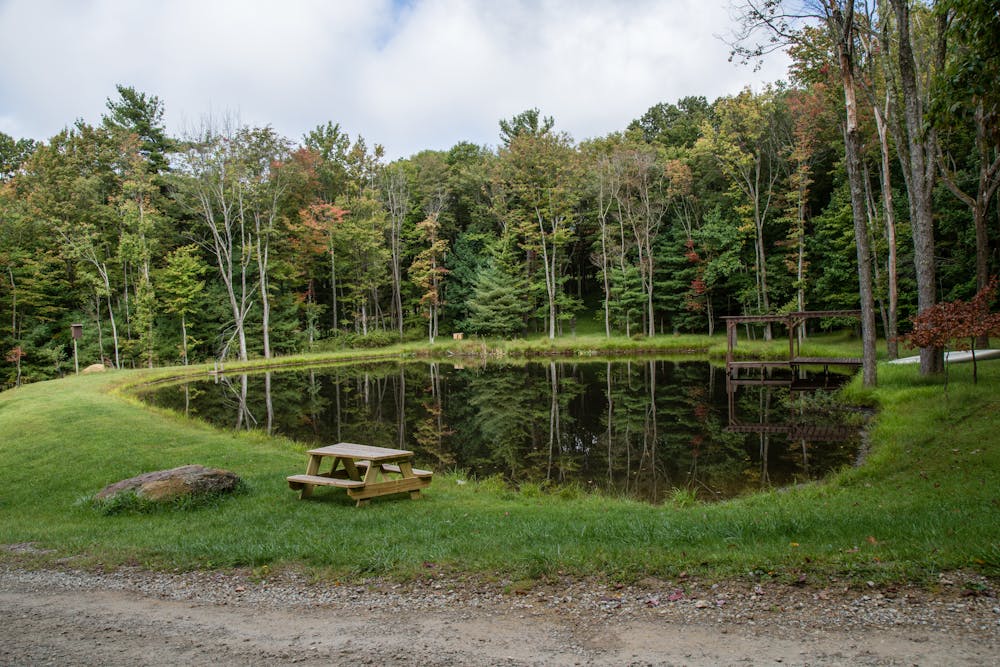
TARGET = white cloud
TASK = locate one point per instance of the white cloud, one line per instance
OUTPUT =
(423, 74)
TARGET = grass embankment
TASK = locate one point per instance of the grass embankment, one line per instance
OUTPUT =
(926, 500)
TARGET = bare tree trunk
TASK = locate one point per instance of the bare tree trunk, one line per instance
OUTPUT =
(97, 318)
(13, 304)
(262, 250)
(549, 262)
(604, 204)
(184, 338)
(15, 336)
(333, 285)
(919, 164)
(758, 221)
(397, 201)
(892, 318)
(855, 177)
(111, 314)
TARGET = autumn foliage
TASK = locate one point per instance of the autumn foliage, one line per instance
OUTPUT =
(950, 322)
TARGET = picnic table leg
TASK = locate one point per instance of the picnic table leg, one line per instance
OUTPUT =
(352, 470)
(374, 469)
(406, 468)
(311, 469)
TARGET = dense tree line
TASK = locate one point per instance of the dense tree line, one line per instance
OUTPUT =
(870, 178)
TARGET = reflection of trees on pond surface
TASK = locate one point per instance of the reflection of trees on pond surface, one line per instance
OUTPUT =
(639, 428)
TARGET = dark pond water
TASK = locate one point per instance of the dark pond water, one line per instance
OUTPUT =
(640, 428)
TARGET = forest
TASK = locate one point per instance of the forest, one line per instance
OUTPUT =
(867, 180)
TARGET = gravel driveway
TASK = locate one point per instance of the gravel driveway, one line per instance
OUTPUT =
(135, 617)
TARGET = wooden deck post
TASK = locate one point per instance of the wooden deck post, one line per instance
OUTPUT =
(730, 340)
(791, 324)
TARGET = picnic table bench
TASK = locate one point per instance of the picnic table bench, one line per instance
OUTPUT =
(365, 472)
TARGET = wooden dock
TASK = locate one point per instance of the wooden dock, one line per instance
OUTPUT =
(758, 372)
(795, 361)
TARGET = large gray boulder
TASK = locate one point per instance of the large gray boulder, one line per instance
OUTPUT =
(164, 485)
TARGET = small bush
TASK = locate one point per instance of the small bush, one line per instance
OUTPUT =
(681, 497)
(531, 489)
(493, 484)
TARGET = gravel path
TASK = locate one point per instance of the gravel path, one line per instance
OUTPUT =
(135, 617)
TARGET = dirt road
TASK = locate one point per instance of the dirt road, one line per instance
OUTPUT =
(132, 617)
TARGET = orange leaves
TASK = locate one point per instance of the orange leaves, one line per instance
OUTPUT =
(945, 322)
(317, 223)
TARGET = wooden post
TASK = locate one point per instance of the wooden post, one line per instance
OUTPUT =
(791, 323)
(730, 340)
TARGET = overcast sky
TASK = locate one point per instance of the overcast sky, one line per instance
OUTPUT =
(409, 74)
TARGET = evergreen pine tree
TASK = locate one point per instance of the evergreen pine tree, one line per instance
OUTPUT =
(499, 304)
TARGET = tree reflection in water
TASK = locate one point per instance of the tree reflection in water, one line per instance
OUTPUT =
(639, 427)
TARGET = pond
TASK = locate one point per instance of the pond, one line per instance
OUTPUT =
(641, 428)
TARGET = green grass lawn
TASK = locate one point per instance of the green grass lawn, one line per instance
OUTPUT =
(927, 498)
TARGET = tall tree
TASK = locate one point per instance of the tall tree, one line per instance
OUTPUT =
(917, 154)
(70, 183)
(262, 183)
(640, 203)
(542, 172)
(181, 287)
(605, 182)
(322, 221)
(499, 305)
(331, 146)
(396, 195)
(428, 267)
(141, 115)
(810, 117)
(750, 140)
(213, 187)
(782, 22)
(527, 123)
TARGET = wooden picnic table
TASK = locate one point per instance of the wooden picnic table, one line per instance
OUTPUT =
(365, 472)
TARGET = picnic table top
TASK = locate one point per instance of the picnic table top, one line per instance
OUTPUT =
(351, 450)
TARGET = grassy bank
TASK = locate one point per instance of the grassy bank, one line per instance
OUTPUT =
(926, 499)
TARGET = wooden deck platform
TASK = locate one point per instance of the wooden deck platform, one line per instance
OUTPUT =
(795, 360)
(827, 361)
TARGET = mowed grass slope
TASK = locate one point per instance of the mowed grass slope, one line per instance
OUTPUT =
(927, 499)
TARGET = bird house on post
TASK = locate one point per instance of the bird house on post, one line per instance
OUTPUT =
(77, 330)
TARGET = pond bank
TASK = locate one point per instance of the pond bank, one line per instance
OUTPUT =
(925, 501)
